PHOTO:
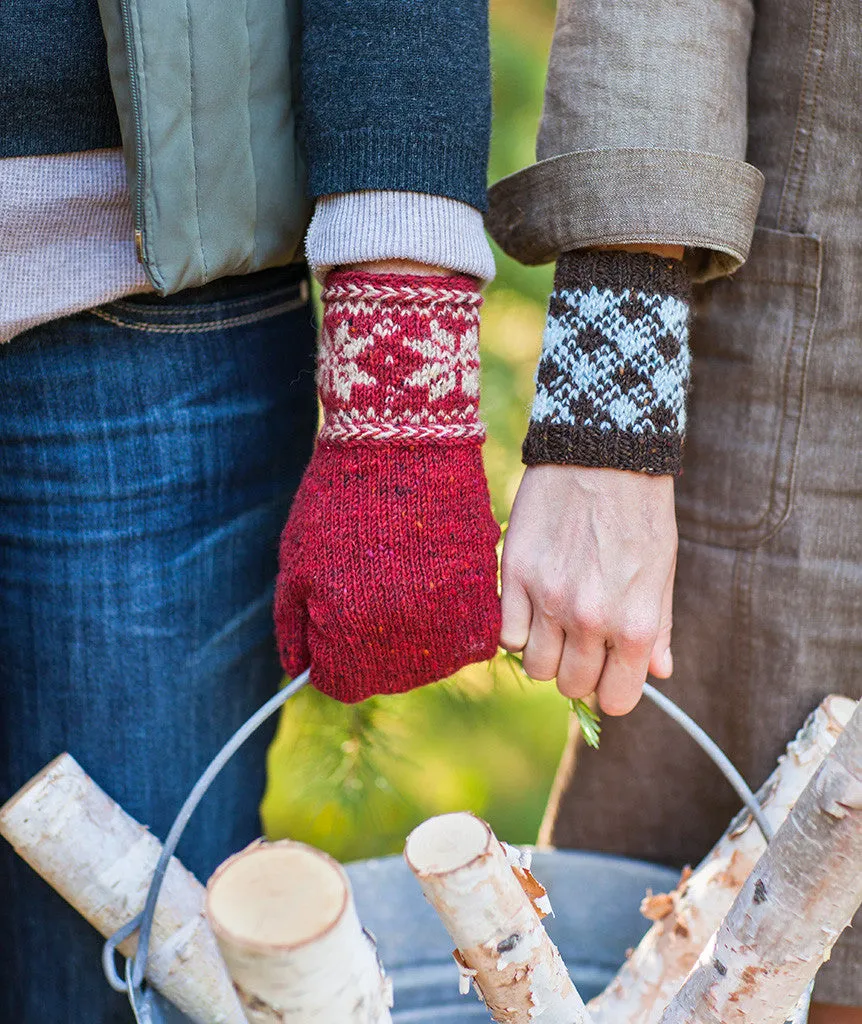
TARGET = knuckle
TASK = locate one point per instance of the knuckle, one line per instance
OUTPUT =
(516, 564)
(591, 617)
(636, 633)
(549, 592)
(554, 600)
(666, 627)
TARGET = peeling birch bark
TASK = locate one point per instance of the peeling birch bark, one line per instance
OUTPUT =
(798, 899)
(285, 921)
(501, 943)
(101, 860)
(686, 919)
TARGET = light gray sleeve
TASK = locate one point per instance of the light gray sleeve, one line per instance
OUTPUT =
(358, 227)
(643, 135)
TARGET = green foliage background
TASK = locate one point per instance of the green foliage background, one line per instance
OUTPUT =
(355, 780)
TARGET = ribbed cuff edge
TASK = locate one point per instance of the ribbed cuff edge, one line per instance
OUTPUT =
(419, 161)
(648, 452)
(360, 227)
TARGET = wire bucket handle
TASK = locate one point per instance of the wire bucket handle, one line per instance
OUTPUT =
(143, 922)
(135, 968)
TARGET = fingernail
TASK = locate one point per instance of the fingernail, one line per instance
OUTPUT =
(667, 662)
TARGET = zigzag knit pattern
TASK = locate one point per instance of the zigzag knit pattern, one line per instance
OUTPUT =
(388, 568)
(399, 359)
(612, 379)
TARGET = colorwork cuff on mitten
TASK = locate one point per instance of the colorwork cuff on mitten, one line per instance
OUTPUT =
(398, 359)
(614, 370)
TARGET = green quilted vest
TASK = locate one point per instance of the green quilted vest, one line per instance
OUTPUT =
(206, 94)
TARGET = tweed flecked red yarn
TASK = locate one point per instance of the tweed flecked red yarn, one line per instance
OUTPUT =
(388, 570)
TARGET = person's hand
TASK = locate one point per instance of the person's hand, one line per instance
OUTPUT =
(388, 565)
(588, 568)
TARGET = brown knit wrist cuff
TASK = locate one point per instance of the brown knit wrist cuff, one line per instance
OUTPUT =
(614, 371)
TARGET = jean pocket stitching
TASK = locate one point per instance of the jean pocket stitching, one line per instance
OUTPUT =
(151, 327)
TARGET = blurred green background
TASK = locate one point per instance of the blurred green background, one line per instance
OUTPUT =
(354, 780)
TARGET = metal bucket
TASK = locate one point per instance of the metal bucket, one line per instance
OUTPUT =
(595, 900)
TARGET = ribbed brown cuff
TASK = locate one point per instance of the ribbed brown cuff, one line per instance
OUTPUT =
(660, 454)
(616, 271)
(614, 371)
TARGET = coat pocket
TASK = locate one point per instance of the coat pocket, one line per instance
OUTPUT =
(751, 337)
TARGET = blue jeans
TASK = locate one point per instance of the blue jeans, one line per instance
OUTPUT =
(149, 451)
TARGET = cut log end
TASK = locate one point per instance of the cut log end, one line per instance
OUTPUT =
(61, 765)
(446, 843)
(287, 927)
(276, 896)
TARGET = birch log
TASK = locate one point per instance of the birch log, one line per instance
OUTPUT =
(686, 919)
(286, 924)
(798, 899)
(101, 860)
(501, 942)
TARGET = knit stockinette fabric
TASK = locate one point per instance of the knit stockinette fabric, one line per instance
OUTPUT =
(388, 568)
(614, 371)
(396, 95)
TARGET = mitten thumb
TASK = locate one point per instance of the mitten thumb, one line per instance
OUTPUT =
(291, 627)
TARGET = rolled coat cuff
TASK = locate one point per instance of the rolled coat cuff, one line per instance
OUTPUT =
(358, 227)
(706, 202)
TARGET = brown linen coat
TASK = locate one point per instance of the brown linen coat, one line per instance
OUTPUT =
(662, 122)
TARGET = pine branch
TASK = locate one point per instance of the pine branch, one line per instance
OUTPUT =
(588, 721)
(351, 743)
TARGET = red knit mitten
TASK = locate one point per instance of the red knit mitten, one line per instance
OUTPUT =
(388, 571)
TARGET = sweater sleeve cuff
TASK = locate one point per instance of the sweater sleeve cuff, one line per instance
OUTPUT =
(358, 227)
(704, 202)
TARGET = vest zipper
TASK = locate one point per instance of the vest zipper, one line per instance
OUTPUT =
(138, 205)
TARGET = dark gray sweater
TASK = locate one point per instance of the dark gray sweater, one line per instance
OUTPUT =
(395, 93)
(55, 95)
